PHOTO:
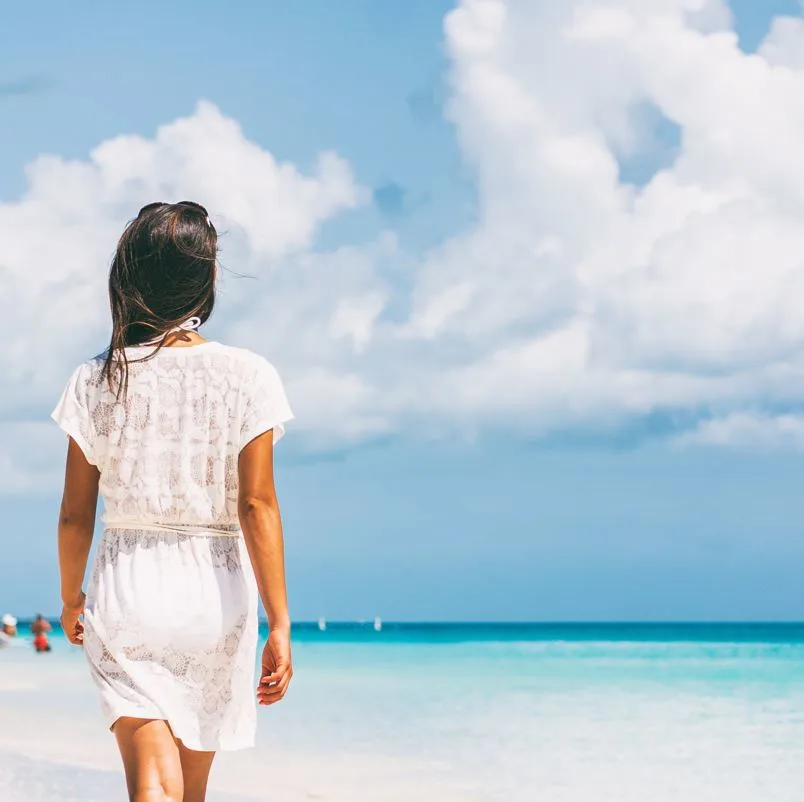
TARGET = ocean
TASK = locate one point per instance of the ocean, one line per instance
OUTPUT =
(460, 713)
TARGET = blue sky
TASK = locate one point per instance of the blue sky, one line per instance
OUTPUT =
(506, 526)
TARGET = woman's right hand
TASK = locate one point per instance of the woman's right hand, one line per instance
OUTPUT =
(277, 668)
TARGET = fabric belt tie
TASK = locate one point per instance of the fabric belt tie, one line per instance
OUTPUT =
(222, 530)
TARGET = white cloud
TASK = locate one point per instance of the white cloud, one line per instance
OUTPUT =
(575, 299)
(749, 431)
(783, 44)
(586, 299)
(56, 241)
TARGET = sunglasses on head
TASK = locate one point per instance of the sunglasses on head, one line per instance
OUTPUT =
(150, 207)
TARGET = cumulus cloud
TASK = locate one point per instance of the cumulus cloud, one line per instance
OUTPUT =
(56, 242)
(587, 298)
(576, 298)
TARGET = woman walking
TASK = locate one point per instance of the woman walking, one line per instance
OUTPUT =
(176, 433)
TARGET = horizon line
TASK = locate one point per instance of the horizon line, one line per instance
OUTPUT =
(544, 622)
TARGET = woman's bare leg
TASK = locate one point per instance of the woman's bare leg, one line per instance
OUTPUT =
(195, 768)
(151, 760)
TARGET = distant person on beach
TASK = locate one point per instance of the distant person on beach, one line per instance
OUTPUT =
(8, 629)
(40, 625)
(39, 629)
(177, 434)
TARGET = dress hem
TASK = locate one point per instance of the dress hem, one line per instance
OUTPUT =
(193, 744)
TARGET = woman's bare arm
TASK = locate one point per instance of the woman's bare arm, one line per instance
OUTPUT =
(258, 510)
(76, 526)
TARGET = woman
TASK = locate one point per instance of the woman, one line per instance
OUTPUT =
(176, 433)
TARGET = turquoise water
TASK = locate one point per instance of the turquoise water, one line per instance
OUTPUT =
(480, 712)
(507, 632)
(452, 632)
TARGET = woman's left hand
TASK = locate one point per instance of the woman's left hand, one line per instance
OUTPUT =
(71, 622)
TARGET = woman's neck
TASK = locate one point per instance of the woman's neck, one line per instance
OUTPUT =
(183, 339)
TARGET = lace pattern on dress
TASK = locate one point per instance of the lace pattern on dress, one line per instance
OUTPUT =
(171, 612)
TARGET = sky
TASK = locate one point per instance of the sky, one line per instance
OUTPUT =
(530, 271)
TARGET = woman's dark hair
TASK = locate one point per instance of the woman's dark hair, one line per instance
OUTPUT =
(162, 274)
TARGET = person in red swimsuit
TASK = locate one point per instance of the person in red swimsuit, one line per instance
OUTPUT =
(39, 629)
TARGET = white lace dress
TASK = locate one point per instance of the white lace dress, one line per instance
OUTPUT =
(171, 609)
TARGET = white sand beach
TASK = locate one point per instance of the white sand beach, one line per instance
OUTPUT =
(456, 722)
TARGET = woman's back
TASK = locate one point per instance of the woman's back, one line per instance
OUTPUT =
(167, 450)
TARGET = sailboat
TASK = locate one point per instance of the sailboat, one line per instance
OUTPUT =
(322, 624)
(377, 624)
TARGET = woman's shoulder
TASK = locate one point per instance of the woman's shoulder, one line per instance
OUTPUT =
(256, 375)
(87, 371)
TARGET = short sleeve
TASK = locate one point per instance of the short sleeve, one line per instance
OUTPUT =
(72, 413)
(266, 405)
